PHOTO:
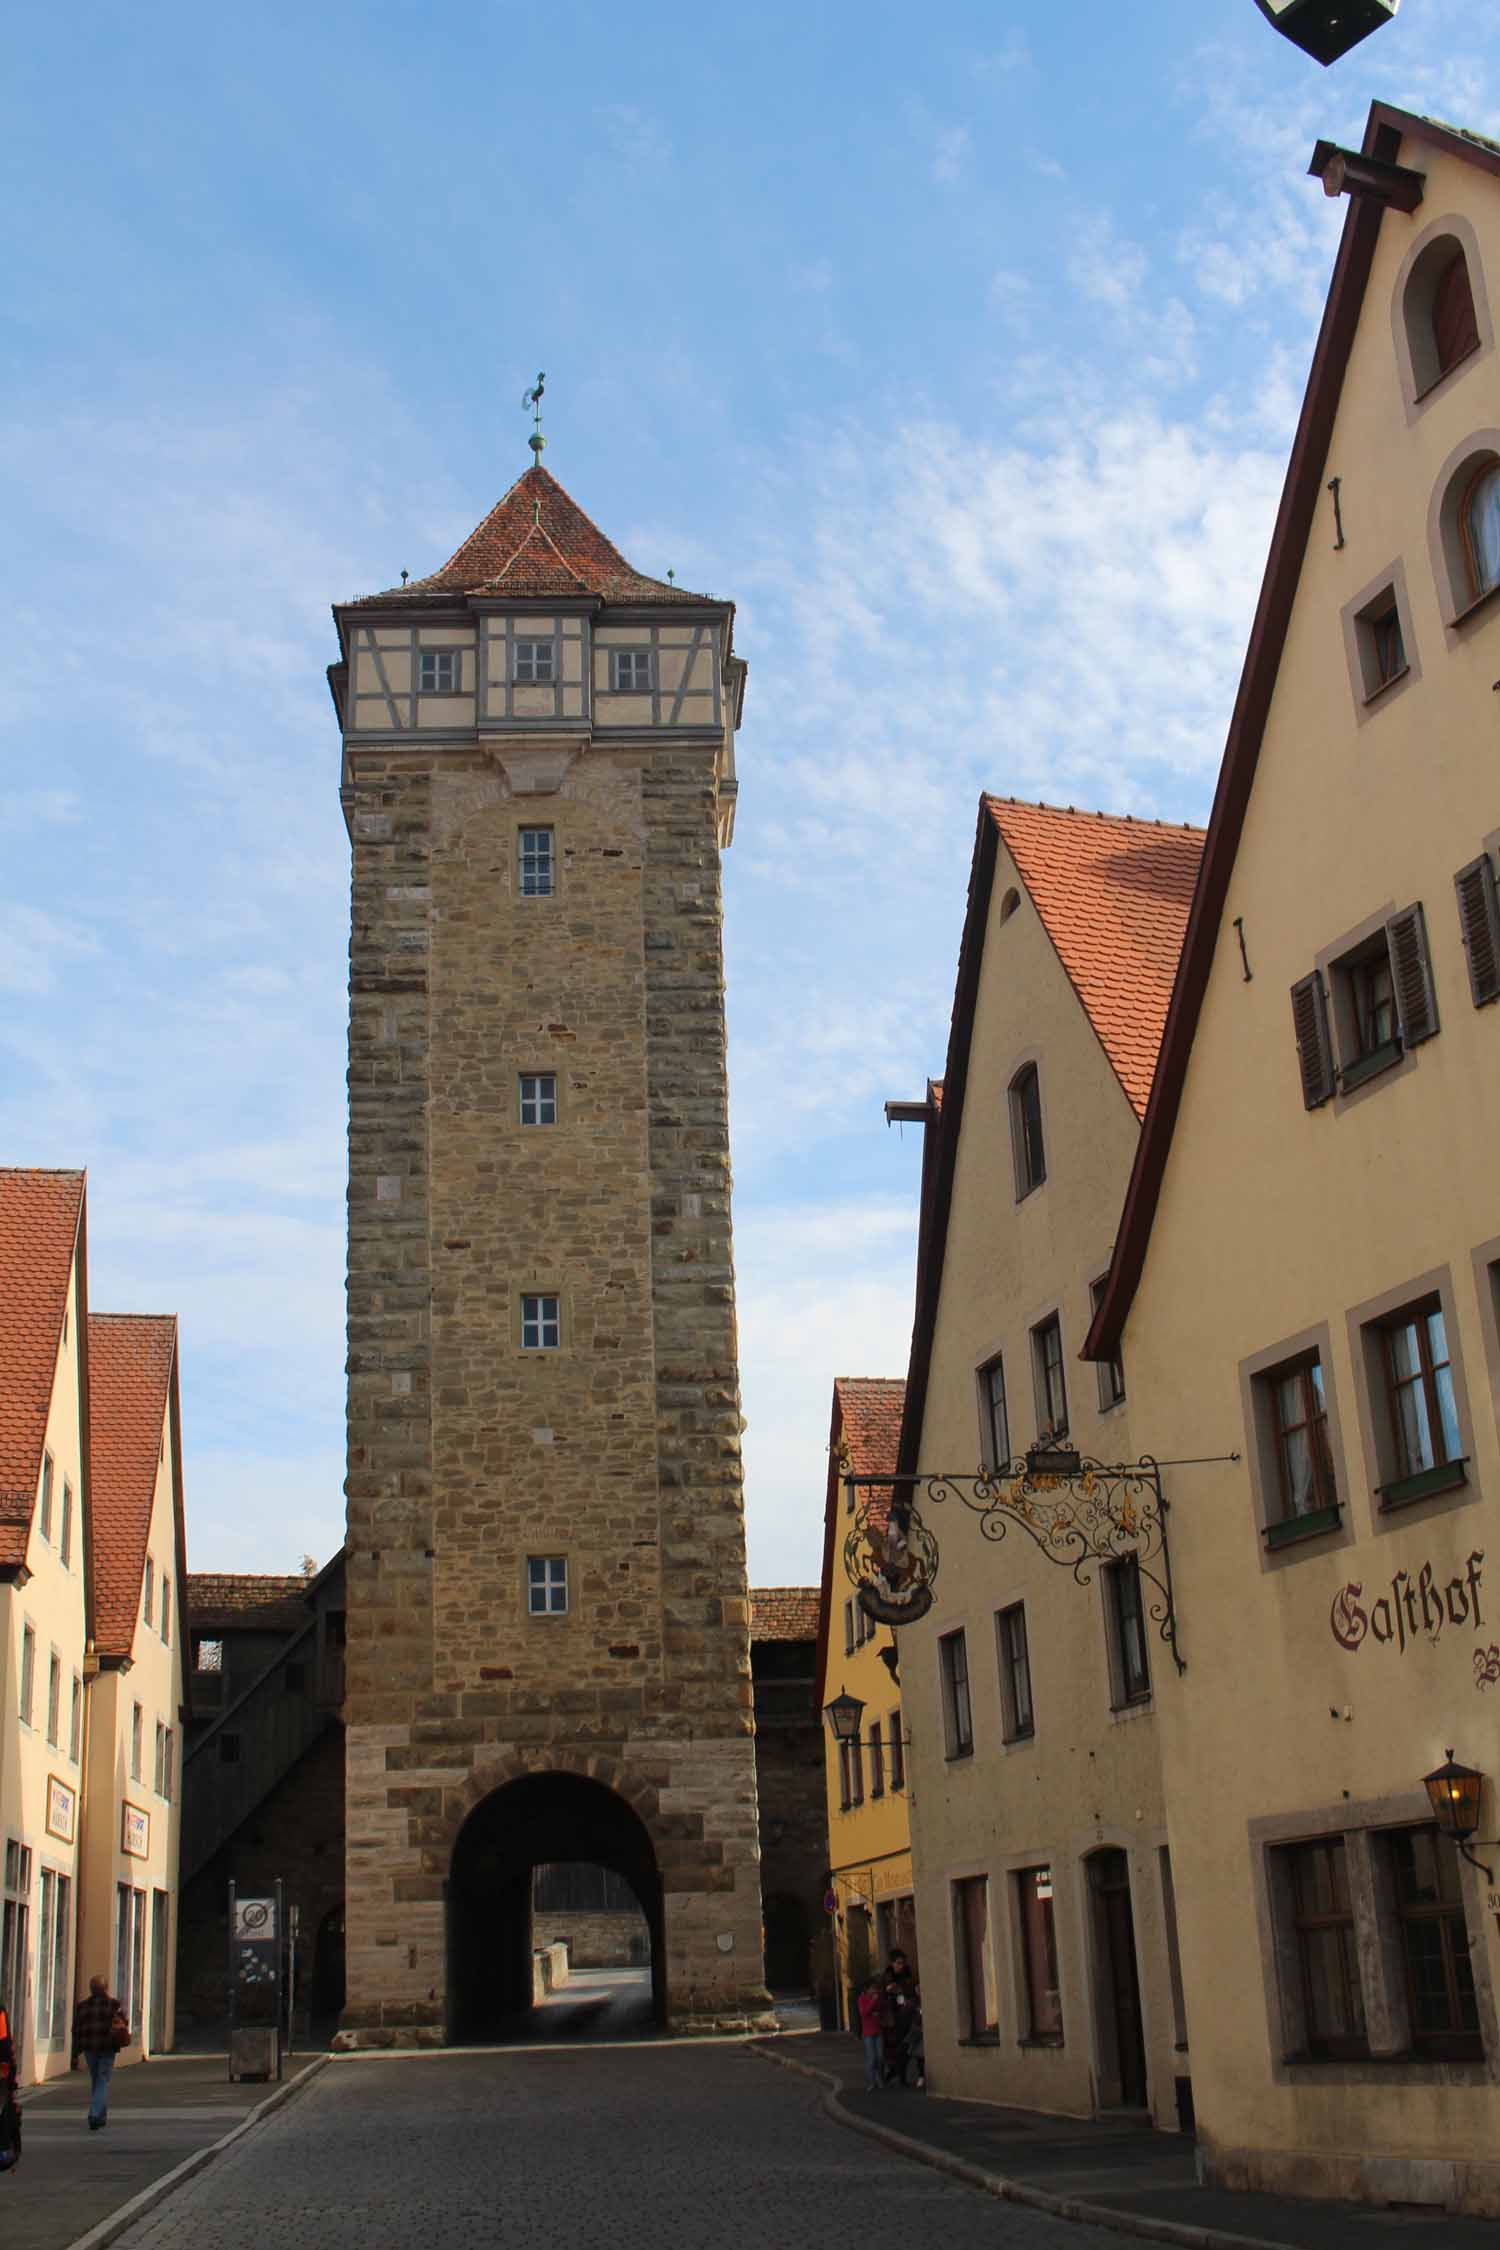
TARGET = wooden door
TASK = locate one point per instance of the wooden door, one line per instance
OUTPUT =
(1115, 1923)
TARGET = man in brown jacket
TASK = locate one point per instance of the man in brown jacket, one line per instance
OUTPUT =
(94, 2039)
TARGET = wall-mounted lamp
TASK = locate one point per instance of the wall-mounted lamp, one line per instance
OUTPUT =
(1326, 29)
(844, 1714)
(1455, 1793)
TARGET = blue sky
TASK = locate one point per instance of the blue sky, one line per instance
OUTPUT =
(962, 351)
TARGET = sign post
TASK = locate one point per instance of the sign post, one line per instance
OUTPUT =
(256, 1984)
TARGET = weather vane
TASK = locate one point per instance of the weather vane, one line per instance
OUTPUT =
(533, 400)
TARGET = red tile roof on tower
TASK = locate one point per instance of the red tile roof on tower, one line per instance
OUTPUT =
(1113, 894)
(783, 1613)
(130, 1373)
(534, 542)
(41, 1214)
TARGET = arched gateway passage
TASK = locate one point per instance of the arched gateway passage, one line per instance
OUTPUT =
(539, 1820)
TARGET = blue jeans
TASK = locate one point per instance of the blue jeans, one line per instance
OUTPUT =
(101, 2068)
(874, 2047)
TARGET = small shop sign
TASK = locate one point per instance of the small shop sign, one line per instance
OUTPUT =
(135, 1832)
(62, 1810)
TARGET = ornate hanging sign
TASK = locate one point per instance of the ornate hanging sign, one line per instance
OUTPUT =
(1078, 1512)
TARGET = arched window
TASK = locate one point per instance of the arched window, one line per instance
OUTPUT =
(1455, 331)
(1008, 904)
(1438, 324)
(1479, 522)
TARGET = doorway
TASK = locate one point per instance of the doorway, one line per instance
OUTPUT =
(1117, 1988)
(542, 1820)
(161, 1956)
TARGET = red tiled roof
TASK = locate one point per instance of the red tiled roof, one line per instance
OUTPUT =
(783, 1613)
(870, 1419)
(1113, 894)
(864, 1431)
(269, 1603)
(130, 1372)
(538, 541)
(40, 1217)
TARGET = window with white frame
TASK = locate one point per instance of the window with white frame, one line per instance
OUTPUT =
(541, 1324)
(538, 1097)
(161, 1759)
(28, 1674)
(54, 1914)
(547, 1585)
(75, 1720)
(44, 1511)
(535, 663)
(538, 863)
(54, 1698)
(630, 670)
(1111, 1372)
(437, 671)
(65, 1541)
(168, 1759)
(148, 1597)
(137, 1731)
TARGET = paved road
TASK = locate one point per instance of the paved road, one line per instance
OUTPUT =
(593, 2004)
(645, 2148)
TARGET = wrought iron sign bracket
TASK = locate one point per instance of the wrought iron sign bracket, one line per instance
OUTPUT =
(1078, 1512)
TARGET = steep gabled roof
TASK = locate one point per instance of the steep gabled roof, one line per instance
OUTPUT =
(41, 1225)
(1097, 880)
(866, 1418)
(1113, 895)
(1385, 132)
(534, 542)
(131, 1357)
(783, 1613)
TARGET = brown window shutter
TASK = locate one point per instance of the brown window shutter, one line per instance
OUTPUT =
(1455, 331)
(1479, 918)
(1314, 1048)
(1411, 974)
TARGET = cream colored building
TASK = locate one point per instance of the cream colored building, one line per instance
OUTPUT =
(43, 1603)
(135, 1703)
(869, 1834)
(1039, 1841)
(1308, 1270)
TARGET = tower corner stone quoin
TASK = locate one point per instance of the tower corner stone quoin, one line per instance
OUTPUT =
(538, 682)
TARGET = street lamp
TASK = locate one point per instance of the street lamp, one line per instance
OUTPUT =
(1454, 1793)
(844, 1714)
(1326, 29)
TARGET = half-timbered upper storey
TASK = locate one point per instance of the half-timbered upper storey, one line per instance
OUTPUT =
(538, 626)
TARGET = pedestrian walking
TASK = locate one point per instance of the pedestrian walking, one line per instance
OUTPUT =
(100, 2030)
(10, 2107)
(870, 2006)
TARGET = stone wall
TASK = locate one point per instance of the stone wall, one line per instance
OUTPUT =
(621, 1450)
(598, 1940)
(296, 1834)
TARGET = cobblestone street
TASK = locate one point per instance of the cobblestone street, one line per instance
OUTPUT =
(646, 2148)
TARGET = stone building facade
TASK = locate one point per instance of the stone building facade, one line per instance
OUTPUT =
(548, 1627)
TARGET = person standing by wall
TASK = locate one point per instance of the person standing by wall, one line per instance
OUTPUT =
(871, 2009)
(97, 2024)
(10, 2110)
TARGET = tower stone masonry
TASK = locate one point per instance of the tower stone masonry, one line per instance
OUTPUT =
(548, 1625)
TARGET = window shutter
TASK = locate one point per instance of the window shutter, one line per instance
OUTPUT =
(1411, 973)
(1314, 1049)
(1455, 331)
(1479, 918)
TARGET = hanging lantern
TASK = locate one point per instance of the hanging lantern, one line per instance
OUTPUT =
(843, 1715)
(1326, 29)
(1453, 1791)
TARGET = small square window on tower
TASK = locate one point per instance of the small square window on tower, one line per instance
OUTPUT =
(630, 671)
(536, 663)
(538, 863)
(437, 671)
(538, 1098)
(547, 1585)
(541, 1324)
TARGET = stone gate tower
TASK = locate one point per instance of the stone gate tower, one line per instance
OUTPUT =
(548, 1632)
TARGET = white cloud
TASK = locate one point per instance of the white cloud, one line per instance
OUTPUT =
(951, 154)
(36, 946)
